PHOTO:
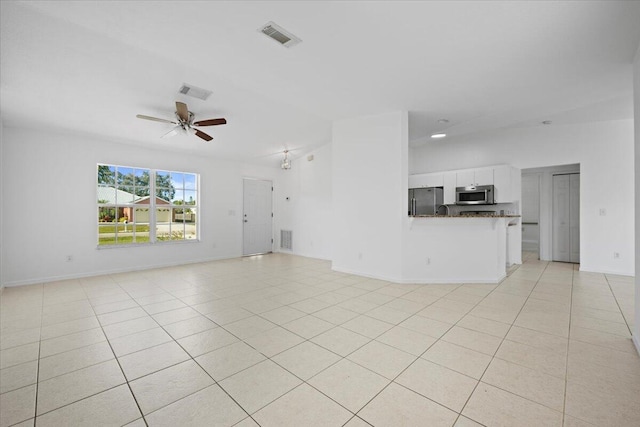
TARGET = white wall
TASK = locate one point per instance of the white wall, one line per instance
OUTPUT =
(308, 210)
(369, 188)
(604, 152)
(1, 210)
(49, 208)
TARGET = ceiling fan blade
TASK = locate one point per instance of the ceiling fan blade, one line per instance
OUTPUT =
(183, 111)
(155, 119)
(211, 122)
(202, 135)
(172, 132)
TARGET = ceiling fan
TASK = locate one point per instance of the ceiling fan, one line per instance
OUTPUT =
(185, 123)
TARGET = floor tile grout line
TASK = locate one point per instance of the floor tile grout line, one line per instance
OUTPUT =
(566, 368)
(303, 381)
(505, 335)
(425, 351)
(35, 409)
(121, 369)
(80, 400)
(194, 361)
(618, 304)
(305, 340)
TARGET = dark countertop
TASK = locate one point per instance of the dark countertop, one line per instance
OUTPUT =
(464, 216)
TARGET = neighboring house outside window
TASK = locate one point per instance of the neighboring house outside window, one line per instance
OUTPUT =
(128, 214)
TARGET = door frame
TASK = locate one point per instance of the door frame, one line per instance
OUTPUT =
(540, 222)
(546, 208)
(252, 178)
(554, 174)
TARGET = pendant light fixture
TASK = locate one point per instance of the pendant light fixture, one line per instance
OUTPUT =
(286, 163)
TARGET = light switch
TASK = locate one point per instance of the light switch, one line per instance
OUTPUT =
(603, 212)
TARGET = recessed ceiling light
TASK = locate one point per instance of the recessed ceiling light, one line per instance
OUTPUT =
(438, 135)
(547, 122)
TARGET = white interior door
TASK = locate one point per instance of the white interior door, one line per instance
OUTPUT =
(257, 217)
(566, 218)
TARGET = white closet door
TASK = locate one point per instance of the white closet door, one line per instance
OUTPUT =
(566, 218)
(561, 218)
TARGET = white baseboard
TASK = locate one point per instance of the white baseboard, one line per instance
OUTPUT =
(617, 273)
(110, 271)
(419, 281)
(363, 274)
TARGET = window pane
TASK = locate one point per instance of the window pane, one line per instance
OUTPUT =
(178, 197)
(177, 224)
(190, 224)
(163, 179)
(106, 175)
(190, 197)
(189, 181)
(163, 224)
(140, 233)
(106, 195)
(125, 194)
(141, 215)
(166, 194)
(142, 195)
(177, 179)
(106, 214)
(142, 177)
(125, 176)
(106, 235)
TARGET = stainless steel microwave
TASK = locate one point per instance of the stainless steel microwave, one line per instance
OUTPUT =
(476, 195)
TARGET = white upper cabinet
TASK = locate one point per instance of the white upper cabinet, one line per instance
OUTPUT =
(449, 188)
(484, 176)
(465, 178)
(506, 180)
(503, 184)
(426, 180)
(472, 177)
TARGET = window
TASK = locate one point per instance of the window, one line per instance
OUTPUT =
(128, 214)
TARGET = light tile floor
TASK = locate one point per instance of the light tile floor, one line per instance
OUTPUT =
(281, 340)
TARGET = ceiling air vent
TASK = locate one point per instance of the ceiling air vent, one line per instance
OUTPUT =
(279, 34)
(195, 92)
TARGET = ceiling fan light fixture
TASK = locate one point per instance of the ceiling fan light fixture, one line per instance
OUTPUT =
(286, 163)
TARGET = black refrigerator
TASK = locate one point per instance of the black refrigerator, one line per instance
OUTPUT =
(425, 201)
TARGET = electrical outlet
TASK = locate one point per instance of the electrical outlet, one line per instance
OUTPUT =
(69, 258)
(603, 212)
(428, 260)
(616, 255)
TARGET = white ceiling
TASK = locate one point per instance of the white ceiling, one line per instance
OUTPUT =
(90, 67)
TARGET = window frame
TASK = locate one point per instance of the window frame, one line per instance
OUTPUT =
(152, 207)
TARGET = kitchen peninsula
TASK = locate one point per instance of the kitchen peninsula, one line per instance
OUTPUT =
(467, 245)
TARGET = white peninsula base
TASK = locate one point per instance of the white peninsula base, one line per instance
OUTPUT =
(455, 249)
